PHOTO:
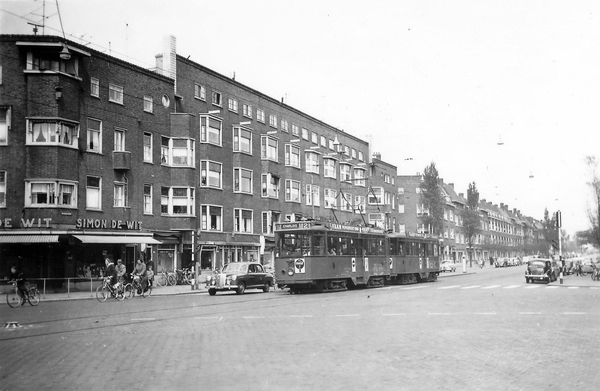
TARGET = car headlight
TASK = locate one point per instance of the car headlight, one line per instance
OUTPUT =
(233, 277)
(208, 278)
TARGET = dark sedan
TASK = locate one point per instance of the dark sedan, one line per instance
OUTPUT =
(239, 276)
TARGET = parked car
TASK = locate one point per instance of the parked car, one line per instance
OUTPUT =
(501, 262)
(447, 266)
(587, 267)
(239, 276)
(541, 269)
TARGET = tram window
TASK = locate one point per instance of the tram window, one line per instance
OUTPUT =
(318, 244)
(401, 245)
(422, 249)
(413, 248)
(375, 246)
(436, 250)
(343, 246)
(356, 246)
(332, 245)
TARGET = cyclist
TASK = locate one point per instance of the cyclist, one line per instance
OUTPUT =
(111, 272)
(140, 270)
(16, 275)
(121, 270)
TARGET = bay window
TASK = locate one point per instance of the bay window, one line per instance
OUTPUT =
(52, 132)
(50, 194)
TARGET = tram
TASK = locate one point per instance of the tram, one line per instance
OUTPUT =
(326, 257)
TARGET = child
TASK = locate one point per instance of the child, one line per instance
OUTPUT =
(150, 275)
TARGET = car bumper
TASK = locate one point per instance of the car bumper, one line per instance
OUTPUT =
(540, 277)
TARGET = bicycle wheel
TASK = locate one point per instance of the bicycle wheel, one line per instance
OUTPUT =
(161, 280)
(102, 293)
(34, 297)
(147, 292)
(171, 279)
(129, 292)
(13, 299)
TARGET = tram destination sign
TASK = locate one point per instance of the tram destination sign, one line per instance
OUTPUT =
(338, 227)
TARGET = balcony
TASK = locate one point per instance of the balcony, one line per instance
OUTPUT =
(121, 160)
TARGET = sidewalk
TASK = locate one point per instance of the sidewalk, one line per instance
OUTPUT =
(156, 291)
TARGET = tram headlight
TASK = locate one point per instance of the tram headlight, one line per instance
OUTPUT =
(290, 272)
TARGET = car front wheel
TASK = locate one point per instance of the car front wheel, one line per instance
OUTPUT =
(212, 291)
(267, 287)
(241, 288)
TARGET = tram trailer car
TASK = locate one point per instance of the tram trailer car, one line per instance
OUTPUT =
(324, 257)
(413, 259)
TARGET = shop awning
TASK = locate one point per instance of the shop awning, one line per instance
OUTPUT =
(28, 238)
(116, 239)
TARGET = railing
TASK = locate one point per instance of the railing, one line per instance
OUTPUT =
(50, 284)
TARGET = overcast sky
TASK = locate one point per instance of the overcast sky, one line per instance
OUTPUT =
(432, 81)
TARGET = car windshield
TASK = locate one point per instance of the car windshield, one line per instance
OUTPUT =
(536, 264)
(235, 267)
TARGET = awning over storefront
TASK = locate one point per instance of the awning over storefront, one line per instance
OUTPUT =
(28, 238)
(116, 239)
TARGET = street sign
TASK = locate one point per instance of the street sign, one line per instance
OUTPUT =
(558, 219)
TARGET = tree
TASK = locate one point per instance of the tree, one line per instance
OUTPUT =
(549, 230)
(432, 199)
(592, 235)
(470, 217)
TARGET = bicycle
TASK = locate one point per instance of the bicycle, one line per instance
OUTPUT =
(184, 276)
(106, 289)
(596, 274)
(136, 287)
(15, 299)
(165, 278)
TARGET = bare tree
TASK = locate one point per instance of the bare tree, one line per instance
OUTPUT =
(592, 235)
(432, 199)
(549, 230)
(471, 218)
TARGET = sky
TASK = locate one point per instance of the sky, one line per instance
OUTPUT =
(501, 93)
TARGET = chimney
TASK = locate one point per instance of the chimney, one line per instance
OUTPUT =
(502, 205)
(169, 58)
(377, 155)
(461, 195)
(451, 185)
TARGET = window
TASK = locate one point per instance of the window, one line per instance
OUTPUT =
(2, 189)
(260, 115)
(284, 126)
(377, 219)
(269, 185)
(330, 198)
(45, 61)
(314, 138)
(210, 130)
(331, 145)
(292, 190)
(359, 177)
(199, 92)
(305, 134)
(212, 216)
(94, 135)
(120, 195)
(347, 150)
(50, 194)
(177, 152)
(272, 120)
(177, 201)
(147, 147)
(242, 221)
(115, 93)
(313, 196)
(216, 98)
(361, 156)
(268, 221)
(329, 168)
(353, 153)
(346, 201)
(324, 141)
(359, 204)
(210, 174)
(93, 194)
(232, 105)
(247, 110)
(119, 140)
(51, 132)
(312, 162)
(242, 140)
(147, 199)
(295, 130)
(375, 196)
(292, 155)
(94, 87)
(269, 148)
(345, 172)
(5, 117)
(242, 180)
(148, 104)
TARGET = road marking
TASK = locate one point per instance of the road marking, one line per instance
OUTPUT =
(301, 316)
(141, 319)
(414, 287)
(532, 286)
(511, 286)
(485, 313)
(491, 287)
(530, 313)
(470, 287)
(573, 287)
(252, 317)
(575, 313)
(205, 317)
(346, 315)
(552, 286)
(393, 314)
(450, 287)
(439, 313)
(594, 287)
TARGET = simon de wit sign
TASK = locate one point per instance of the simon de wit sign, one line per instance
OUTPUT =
(79, 223)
